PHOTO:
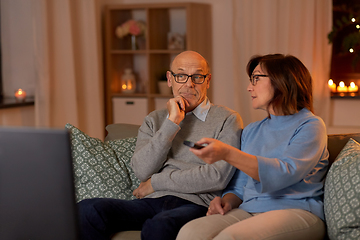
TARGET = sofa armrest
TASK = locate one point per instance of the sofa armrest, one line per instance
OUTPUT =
(121, 131)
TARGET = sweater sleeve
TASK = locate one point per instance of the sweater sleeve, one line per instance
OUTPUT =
(203, 178)
(152, 147)
(236, 185)
(302, 160)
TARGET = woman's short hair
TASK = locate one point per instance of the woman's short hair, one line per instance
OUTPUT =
(290, 79)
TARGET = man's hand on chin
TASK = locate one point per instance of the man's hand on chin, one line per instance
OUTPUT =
(176, 107)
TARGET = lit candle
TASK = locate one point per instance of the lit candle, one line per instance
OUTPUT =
(332, 85)
(127, 86)
(342, 87)
(20, 94)
(353, 87)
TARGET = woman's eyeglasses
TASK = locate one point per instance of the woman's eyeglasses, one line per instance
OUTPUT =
(255, 78)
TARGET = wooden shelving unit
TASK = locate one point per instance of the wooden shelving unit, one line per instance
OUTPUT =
(153, 57)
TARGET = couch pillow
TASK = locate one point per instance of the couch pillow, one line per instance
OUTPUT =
(102, 169)
(124, 150)
(342, 194)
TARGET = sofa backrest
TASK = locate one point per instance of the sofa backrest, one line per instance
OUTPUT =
(121, 131)
(336, 142)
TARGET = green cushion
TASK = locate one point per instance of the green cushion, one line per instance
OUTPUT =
(102, 169)
(342, 194)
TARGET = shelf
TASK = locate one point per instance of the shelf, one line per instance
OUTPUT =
(158, 95)
(192, 21)
(346, 95)
(128, 52)
(127, 95)
(12, 102)
(153, 51)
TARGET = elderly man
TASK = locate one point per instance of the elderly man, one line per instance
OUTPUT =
(176, 185)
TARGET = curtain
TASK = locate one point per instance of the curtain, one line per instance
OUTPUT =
(69, 86)
(298, 28)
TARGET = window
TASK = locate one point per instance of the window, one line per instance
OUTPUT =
(345, 62)
(1, 86)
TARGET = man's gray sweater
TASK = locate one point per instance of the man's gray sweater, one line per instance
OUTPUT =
(161, 155)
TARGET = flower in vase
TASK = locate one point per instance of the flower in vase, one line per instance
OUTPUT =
(130, 27)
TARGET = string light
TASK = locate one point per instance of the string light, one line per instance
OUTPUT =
(353, 20)
(351, 50)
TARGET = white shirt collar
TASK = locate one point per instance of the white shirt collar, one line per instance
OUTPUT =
(202, 110)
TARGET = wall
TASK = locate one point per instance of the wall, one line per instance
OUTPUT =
(18, 65)
(18, 116)
(17, 47)
(19, 58)
(344, 116)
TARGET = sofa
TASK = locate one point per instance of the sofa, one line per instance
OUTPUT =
(342, 184)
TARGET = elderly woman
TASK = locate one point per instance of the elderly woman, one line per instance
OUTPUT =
(277, 190)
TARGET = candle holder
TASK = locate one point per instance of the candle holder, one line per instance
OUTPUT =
(353, 88)
(128, 83)
(332, 85)
(20, 95)
(342, 88)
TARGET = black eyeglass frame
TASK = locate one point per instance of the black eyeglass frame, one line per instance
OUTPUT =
(189, 76)
(254, 76)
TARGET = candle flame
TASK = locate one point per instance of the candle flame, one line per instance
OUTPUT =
(20, 94)
(342, 84)
(331, 82)
(352, 84)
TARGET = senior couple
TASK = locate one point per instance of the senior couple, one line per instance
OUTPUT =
(261, 182)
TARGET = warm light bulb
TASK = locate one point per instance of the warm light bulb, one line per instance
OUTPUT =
(353, 19)
(358, 26)
(351, 50)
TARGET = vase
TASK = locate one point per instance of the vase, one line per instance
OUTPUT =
(134, 45)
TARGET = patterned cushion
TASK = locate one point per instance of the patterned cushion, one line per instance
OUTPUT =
(102, 169)
(342, 194)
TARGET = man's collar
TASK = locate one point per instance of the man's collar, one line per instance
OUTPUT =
(202, 110)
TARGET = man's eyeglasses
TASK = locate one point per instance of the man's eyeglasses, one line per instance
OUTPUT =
(255, 78)
(183, 78)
